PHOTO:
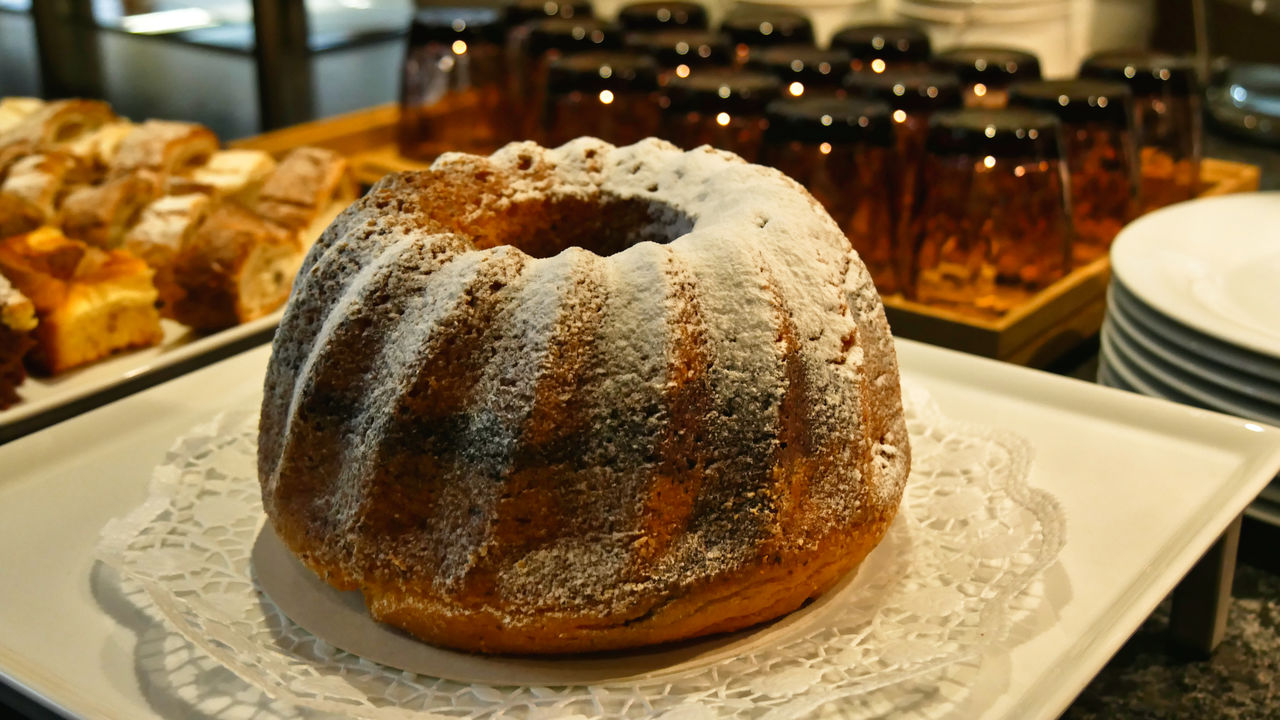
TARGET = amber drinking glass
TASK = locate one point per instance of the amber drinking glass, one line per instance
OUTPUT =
(520, 18)
(721, 108)
(884, 48)
(756, 28)
(453, 84)
(841, 150)
(994, 220)
(612, 96)
(1166, 103)
(987, 72)
(913, 98)
(679, 53)
(656, 16)
(803, 70)
(548, 41)
(1101, 156)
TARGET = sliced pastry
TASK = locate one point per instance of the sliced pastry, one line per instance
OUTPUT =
(163, 230)
(97, 150)
(40, 181)
(17, 216)
(236, 267)
(307, 190)
(51, 126)
(101, 214)
(90, 302)
(164, 147)
(58, 122)
(234, 175)
(17, 321)
(13, 110)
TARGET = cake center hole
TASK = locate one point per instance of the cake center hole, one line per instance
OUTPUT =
(604, 224)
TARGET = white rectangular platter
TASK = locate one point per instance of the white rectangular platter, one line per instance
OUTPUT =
(1146, 485)
(48, 400)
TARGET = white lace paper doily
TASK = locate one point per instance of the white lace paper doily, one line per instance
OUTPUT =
(951, 578)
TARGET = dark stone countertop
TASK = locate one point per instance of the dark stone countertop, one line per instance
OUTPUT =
(1150, 679)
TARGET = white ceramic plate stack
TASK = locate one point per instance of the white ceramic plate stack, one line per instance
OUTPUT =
(1193, 312)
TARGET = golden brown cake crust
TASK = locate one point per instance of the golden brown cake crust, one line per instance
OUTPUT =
(512, 444)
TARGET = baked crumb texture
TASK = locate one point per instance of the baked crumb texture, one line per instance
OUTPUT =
(583, 399)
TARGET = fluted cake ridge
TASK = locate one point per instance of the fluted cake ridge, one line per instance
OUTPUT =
(582, 398)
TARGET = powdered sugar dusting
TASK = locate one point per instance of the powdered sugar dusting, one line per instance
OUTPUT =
(660, 395)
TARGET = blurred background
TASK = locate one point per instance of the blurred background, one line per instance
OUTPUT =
(244, 66)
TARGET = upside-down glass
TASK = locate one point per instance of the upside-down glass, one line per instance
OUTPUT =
(987, 72)
(679, 53)
(520, 17)
(1166, 103)
(913, 98)
(751, 28)
(612, 96)
(1101, 156)
(841, 151)
(662, 15)
(548, 41)
(803, 70)
(995, 221)
(721, 108)
(881, 48)
(453, 93)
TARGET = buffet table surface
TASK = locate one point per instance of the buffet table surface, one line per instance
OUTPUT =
(1147, 487)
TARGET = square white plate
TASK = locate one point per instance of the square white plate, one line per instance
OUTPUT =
(1146, 485)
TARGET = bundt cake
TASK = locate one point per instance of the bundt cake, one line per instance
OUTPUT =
(582, 399)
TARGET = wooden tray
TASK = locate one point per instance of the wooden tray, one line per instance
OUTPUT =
(1061, 316)
(1034, 334)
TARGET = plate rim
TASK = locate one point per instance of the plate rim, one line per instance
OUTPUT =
(1138, 376)
(1146, 348)
(1128, 304)
(1132, 254)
